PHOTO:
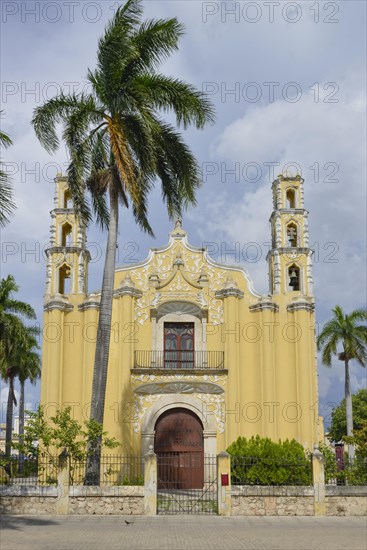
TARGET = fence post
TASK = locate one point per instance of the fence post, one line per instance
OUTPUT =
(150, 483)
(63, 480)
(224, 484)
(318, 473)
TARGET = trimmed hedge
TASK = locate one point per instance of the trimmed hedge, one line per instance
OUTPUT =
(261, 461)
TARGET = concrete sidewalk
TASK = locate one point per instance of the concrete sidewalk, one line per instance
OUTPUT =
(182, 533)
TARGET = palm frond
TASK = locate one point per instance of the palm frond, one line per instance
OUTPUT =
(5, 139)
(123, 159)
(343, 330)
(58, 110)
(21, 308)
(189, 105)
(138, 133)
(153, 42)
(97, 184)
(7, 204)
(176, 167)
(76, 172)
(114, 49)
(358, 315)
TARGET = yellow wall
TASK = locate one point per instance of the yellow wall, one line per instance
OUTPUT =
(269, 378)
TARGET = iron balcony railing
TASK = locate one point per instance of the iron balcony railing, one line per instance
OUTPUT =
(179, 360)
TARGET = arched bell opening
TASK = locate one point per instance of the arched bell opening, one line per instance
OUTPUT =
(67, 199)
(64, 279)
(294, 282)
(66, 234)
(292, 234)
(290, 198)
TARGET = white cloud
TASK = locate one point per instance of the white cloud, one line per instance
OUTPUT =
(310, 135)
(226, 53)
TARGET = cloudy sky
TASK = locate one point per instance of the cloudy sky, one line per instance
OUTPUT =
(288, 82)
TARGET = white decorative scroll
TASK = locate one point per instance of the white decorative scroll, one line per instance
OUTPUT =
(140, 406)
(277, 273)
(53, 229)
(48, 277)
(81, 279)
(309, 275)
(141, 310)
(215, 405)
(145, 378)
(179, 387)
(56, 199)
(80, 236)
(278, 231)
(278, 195)
(306, 241)
(141, 281)
(301, 195)
(179, 285)
(162, 265)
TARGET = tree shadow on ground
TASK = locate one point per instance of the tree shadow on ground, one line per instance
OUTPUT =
(18, 522)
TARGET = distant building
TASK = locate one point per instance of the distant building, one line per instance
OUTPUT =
(14, 433)
(16, 423)
(2, 437)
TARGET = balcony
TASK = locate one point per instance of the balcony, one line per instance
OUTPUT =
(179, 361)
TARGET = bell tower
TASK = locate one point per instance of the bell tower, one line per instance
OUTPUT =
(290, 258)
(67, 256)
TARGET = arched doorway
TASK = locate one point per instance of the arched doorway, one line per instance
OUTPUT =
(179, 445)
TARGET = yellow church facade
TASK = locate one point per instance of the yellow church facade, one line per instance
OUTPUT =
(194, 348)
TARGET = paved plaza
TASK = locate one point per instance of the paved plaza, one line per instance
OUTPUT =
(182, 532)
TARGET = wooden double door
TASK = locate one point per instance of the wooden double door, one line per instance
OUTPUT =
(179, 445)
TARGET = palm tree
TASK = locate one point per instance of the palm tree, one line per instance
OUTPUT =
(29, 363)
(6, 193)
(345, 330)
(119, 143)
(11, 309)
(14, 336)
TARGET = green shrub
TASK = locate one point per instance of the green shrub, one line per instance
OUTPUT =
(331, 471)
(136, 480)
(352, 473)
(4, 478)
(261, 461)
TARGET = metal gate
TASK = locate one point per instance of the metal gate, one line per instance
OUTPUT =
(187, 483)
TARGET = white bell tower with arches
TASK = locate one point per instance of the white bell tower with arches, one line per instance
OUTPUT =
(290, 258)
(67, 255)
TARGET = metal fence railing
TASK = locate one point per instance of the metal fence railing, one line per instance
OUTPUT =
(114, 470)
(269, 471)
(119, 470)
(43, 470)
(179, 360)
(344, 471)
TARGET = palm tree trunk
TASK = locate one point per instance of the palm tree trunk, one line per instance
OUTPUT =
(9, 418)
(21, 424)
(103, 342)
(348, 409)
